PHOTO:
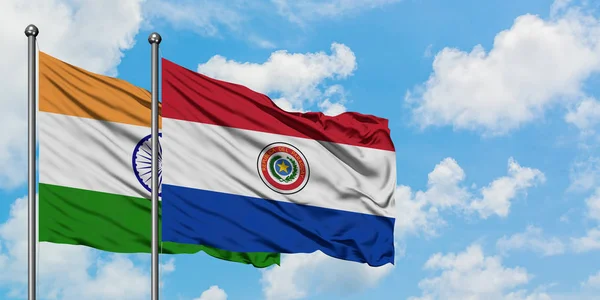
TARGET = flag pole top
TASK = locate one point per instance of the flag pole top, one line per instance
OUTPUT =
(32, 30)
(154, 38)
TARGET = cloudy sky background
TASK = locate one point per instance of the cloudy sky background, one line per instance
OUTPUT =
(493, 110)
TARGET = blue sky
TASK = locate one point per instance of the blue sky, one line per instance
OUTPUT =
(492, 107)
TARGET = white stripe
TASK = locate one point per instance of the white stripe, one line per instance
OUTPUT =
(223, 159)
(89, 154)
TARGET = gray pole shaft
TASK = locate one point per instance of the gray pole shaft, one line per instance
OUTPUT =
(31, 32)
(154, 41)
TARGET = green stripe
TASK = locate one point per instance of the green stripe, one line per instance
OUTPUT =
(115, 223)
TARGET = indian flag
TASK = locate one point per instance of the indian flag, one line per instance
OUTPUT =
(94, 165)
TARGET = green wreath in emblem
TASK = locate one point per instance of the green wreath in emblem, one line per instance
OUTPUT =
(288, 178)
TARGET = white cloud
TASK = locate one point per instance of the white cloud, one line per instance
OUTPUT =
(68, 272)
(301, 11)
(472, 275)
(589, 242)
(334, 99)
(428, 51)
(117, 278)
(559, 6)
(498, 91)
(443, 184)
(585, 116)
(261, 42)
(415, 214)
(167, 267)
(420, 211)
(213, 293)
(301, 275)
(496, 197)
(532, 239)
(74, 31)
(593, 205)
(593, 282)
(524, 295)
(214, 18)
(294, 79)
(585, 174)
(204, 16)
(287, 105)
(331, 109)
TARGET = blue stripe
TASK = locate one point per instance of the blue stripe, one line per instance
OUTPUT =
(247, 224)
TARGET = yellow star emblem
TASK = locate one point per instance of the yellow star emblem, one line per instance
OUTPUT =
(282, 167)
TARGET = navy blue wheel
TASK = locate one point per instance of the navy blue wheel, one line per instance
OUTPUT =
(141, 161)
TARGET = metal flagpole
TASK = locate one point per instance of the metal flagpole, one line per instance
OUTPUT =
(154, 40)
(31, 32)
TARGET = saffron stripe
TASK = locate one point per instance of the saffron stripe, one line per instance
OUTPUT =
(69, 90)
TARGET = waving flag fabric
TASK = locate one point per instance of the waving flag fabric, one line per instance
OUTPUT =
(243, 175)
(95, 165)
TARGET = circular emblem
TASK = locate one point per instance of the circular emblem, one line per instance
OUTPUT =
(283, 168)
(141, 161)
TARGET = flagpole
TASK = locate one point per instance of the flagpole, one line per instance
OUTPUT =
(154, 39)
(31, 32)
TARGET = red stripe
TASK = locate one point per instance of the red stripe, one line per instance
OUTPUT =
(191, 96)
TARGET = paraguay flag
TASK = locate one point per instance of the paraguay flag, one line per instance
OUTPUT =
(240, 174)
